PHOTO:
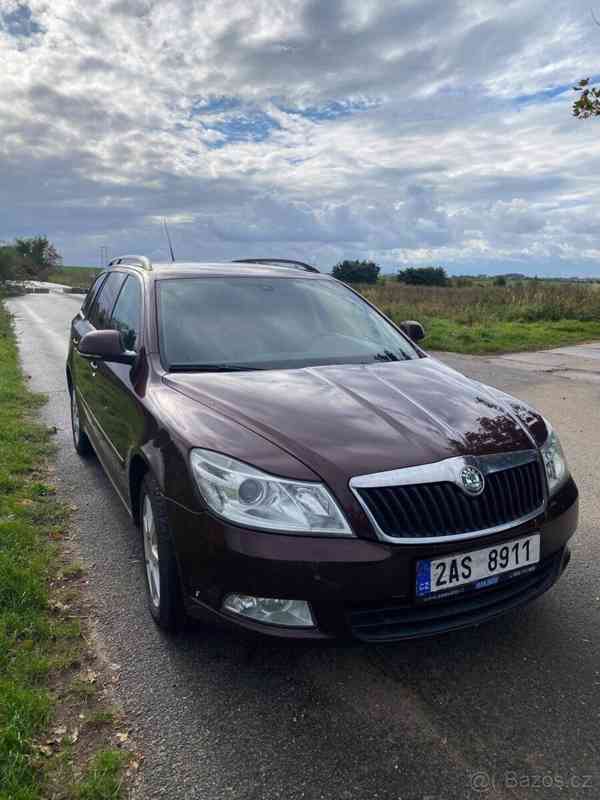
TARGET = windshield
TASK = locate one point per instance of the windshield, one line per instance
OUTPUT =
(241, 322)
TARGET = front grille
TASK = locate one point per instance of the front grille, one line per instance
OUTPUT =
(393, 622)
(444, 509)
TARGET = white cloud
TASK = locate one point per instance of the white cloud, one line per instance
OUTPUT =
(409, 132)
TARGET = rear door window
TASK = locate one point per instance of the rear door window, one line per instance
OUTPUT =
(102, 307)
(92, 292)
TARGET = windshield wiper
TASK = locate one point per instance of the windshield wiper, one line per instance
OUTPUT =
(389, 355)
(212, 368)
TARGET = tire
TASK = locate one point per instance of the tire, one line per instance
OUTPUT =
(162, 575)
(80, 439)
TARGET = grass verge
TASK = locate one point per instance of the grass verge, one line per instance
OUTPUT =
(506, 337)
(485, 319)
(78, 277)
(47, 747)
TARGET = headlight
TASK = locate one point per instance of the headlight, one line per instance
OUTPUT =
(555, 462)
(245, 495)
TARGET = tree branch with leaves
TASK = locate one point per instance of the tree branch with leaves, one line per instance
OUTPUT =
(588, 103)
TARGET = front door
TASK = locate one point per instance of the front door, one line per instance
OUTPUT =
(88, 380)
(118, 410)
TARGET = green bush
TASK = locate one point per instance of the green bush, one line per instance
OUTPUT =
(8, 263)
(423, 276)
(356, 272)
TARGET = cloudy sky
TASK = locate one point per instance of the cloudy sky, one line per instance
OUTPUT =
(407, 131)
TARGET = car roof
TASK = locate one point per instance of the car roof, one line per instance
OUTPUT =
(195, 269)
(241, 266)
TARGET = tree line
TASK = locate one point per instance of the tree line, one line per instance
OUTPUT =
(28, 259)
(368, 272)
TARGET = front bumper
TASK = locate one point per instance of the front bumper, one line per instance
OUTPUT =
(356, 587)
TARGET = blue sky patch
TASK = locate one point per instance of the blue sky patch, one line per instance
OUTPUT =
(252, 126)
(541, 96)
(333, 110)
(549, 94)
(20, 22)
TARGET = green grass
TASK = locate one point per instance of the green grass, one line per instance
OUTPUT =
(35, 643)
(485, 318)
(25, 558)
(78, 277)
(506, 337)
(103, 777)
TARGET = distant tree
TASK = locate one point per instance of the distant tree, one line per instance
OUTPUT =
(37, 257)
(588, 103)
(424, 276)
(500, 280)
(8, 263)
(356, 271)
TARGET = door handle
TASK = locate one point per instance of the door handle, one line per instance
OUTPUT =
(93, 365)
(75, 340)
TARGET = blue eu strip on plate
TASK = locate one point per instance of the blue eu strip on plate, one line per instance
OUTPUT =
(423, 577)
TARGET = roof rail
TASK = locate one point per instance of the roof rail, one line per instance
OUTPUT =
(278, 262)
(131, 261)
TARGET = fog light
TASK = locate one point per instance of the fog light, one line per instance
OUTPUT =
(272, 610)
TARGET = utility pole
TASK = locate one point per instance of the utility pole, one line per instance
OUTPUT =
(103, 256)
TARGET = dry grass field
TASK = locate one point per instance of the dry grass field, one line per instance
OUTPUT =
(485, 318)
(79, 277)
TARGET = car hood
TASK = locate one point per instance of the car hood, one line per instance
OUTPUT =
(348, 420)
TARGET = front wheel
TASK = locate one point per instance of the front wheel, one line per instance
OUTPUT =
(162, 576)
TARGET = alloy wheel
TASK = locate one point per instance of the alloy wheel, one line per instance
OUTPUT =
(75, 418)
(151, 552)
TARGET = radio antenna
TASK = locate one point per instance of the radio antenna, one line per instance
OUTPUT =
(169, 240)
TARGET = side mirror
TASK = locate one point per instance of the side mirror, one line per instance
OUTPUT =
(105, 346)
(413, 329)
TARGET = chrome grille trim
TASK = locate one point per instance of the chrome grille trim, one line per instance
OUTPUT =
(448, 471)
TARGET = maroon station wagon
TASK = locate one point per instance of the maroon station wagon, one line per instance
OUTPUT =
(299, 466)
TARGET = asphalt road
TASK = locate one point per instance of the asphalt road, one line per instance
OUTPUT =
(509, 709)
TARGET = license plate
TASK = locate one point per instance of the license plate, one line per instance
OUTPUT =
(476, 569)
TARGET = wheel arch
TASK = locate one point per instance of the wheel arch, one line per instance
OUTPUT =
(138, 468)
(140, 464)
